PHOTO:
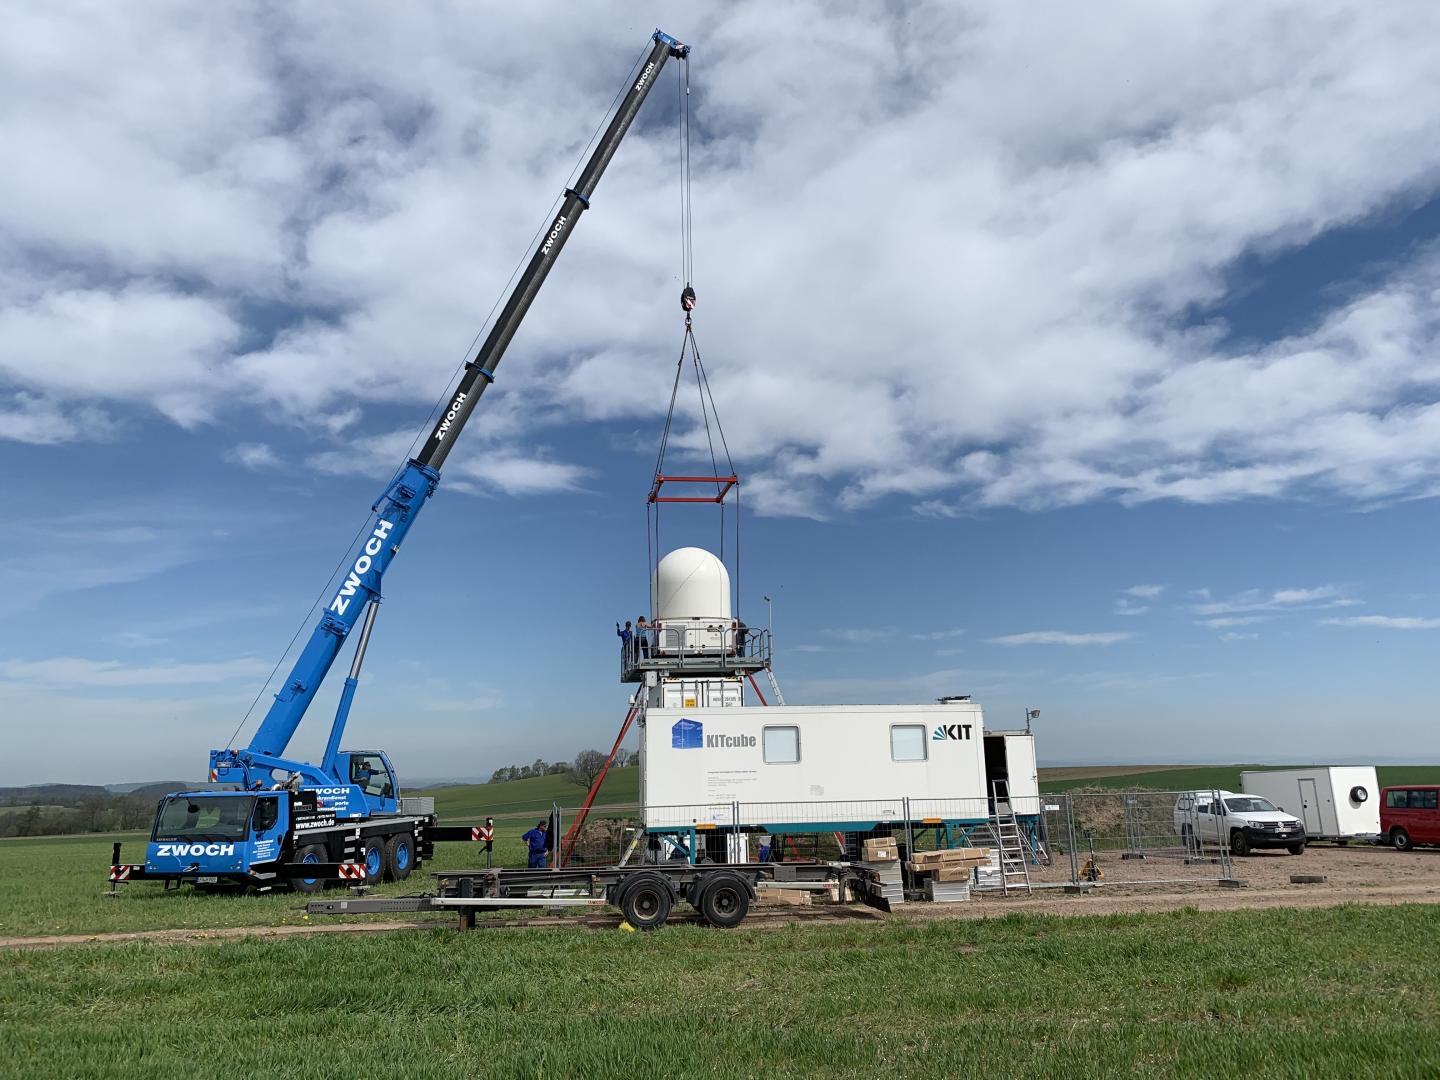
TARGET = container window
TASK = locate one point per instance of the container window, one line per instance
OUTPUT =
(782, 745)
(908, 742)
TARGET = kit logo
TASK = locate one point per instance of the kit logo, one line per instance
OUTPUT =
(687, 735)
(729, 740)
(950, 731)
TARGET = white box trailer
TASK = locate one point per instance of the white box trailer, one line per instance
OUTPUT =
(1335, 802)
(828, 767)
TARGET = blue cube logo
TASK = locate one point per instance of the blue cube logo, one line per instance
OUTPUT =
(687, 735)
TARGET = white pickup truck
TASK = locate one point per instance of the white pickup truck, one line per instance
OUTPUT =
(1245, 822)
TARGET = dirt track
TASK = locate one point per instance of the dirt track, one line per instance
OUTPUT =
(1366, 875)
(1355, 874)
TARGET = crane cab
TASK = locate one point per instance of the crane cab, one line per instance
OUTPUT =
(372, 786)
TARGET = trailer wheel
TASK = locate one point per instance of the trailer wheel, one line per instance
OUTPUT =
(399, 856)
(372, 854)
(725, 901)
(314, 853)
(1401, 839)
(645, 902)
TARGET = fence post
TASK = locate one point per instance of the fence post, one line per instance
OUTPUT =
(555, 834)
(1070, 838)
(909, 829)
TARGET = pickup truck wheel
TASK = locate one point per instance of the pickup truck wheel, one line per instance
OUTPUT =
(1239, 843)
(399, 856)
(1401, 839)
(372, 854)
(724, 901)
(645, 903)
(313, 853)
(1297, 849)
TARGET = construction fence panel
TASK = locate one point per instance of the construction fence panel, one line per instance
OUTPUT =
(1114, 838)
(1125, 838)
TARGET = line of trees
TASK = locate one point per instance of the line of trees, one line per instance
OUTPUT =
(93, 813)
(582, 770)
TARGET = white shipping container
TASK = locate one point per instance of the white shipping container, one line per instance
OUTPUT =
(1334, 802)
(827, 764)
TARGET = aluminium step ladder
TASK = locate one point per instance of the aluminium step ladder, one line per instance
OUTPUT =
(1010, 840)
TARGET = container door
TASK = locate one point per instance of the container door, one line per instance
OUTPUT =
(1310, 807)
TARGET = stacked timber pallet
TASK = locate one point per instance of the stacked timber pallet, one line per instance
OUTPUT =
(883, 883)
(947, 873)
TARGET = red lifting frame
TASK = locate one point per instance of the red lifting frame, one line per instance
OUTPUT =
(660, 481)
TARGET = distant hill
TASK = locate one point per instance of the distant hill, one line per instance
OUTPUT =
(52, 794)
(161, 787)
(469, 802)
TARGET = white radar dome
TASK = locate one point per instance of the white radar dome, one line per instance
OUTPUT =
(691, 583)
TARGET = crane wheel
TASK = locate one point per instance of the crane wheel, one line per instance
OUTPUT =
(313, 853)
(399, 856)
(372, 854)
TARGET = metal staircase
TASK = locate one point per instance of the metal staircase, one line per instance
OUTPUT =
(1010, 840)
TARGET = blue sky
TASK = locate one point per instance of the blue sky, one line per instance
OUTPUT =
(1094, 373)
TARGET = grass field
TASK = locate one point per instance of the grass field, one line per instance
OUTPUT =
(1341, 992)
(56, 885)
(473, 801)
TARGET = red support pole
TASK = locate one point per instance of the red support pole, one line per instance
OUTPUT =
(567, 845)
(751, 676)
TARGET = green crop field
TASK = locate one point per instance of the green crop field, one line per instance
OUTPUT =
(1224, 777)
(470, 802)
(57, 885)
(1341, 992)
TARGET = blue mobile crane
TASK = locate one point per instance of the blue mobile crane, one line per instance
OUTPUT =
(269, 820)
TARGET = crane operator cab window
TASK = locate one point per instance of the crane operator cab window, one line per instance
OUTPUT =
(371, 775)
(267, 813)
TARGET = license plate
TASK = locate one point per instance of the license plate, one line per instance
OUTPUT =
(208, 879)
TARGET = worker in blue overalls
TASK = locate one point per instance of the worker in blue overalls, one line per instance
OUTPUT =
(539, 840)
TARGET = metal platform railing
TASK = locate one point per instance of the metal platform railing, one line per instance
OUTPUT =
(719, 650)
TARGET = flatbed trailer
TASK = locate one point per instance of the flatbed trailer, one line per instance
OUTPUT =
(645, 894)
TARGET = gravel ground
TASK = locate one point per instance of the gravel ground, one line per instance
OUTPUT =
(1354, 874)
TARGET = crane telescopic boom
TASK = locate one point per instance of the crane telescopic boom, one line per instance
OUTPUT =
(396, 509)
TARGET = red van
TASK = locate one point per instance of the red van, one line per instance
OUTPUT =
(1410, 815)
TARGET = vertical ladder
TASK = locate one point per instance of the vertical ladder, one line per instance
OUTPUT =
(1010, 839)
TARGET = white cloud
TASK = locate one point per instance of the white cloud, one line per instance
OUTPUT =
(1233, 620)
(1126, 607)
(1385, 622)
(1144, 592)
(1321, 596)
(1059, 637)
(862, 635)
(253, 456)
(938, 635)
(1234, 635)
(66, 672)
(296, 211)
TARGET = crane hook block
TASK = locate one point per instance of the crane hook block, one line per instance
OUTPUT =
(687, 299)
